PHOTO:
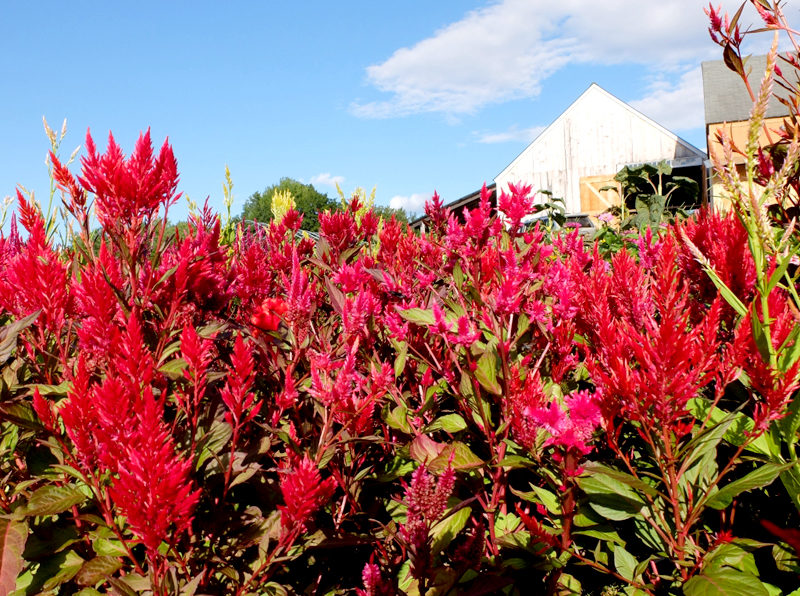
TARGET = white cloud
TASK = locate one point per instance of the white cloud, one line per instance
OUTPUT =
(325, 179)
(507, 49)
(412, 204)
(676, 106)
(513, 134)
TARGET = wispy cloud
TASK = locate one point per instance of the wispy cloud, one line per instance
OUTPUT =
(414, 203)
(676, 105)
(507, 49)
(512, 135)
(325, 179)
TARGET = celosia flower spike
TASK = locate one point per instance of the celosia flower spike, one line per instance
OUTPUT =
(304, 493)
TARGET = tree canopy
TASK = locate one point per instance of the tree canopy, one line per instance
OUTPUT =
(308, 201)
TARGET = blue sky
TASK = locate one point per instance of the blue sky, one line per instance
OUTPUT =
(409, 97)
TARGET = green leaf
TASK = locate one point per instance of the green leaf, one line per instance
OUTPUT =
(213, 442)
(174, 368)
(458, 275)
(789, 424)
(730, 554)
(451, 423)
(109, 547)
(731, 298)
(190, 588)
(486, 372)
(791, 481)
(602, 533)
(97, 569)
(548, 499)
(420, 316)
(649, 536)
(446, 529)
(406, 581)
(56, 570)
(700, 451)
(623, 477)
(785, 558)
(21, 414)
(725, 582)
(50, 500)
(609, 497)
(10, 332)
(789, 351)
(401, 349)
(780, 270)
(88, 592)
(765, 347)
(397, 418)
(13, 535)
(398, 468)
(732, 60)
(60, 389)
(758, 478)
(737, 432)
(624, 563)
(457, 455)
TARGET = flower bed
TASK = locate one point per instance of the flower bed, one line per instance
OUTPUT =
(475, 409)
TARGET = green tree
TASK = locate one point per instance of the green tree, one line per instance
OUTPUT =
(308, 201)
(387, 212)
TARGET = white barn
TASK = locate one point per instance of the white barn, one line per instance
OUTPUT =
(582, 150)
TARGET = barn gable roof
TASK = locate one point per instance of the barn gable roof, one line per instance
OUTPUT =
(725, 95)
(596, 93)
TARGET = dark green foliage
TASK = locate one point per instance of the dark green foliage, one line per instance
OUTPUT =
(387, 212)
(308, 201)
(651, 190)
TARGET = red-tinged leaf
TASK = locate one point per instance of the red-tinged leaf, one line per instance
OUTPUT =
(130, 585)
(97, 569)
(456, 455)
(336, 296)
(424, 449)
(735, 19)
(732, 60)
(13, 535)
(9, 333)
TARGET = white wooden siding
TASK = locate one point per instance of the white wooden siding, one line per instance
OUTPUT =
(595, 136)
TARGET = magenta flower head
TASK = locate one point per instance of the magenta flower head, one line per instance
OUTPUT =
(605, 217)
(570, 427)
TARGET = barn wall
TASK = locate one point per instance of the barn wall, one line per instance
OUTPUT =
(738, 132)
